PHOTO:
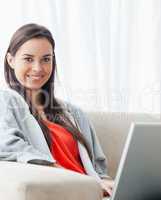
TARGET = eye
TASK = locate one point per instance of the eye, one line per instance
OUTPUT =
(46, 59)
(28, 59)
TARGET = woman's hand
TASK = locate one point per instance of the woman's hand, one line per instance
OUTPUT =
(107, 186)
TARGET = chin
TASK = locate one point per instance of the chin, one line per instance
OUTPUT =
(33, 87)
(36, 85)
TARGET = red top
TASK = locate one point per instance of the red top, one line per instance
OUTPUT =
(64, 148)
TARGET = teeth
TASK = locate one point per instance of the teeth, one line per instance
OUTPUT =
(34, 76)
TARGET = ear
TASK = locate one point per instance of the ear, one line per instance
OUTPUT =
(10, 60)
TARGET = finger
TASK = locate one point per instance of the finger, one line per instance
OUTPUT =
(109, 191)
(105, 193)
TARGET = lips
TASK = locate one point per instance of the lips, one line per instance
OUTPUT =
(35, 76)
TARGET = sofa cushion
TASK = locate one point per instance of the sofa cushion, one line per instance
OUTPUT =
(33, 182)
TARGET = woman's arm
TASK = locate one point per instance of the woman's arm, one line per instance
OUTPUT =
(99, 161)
(13, 144)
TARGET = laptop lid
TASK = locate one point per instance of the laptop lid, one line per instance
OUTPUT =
(139, 172)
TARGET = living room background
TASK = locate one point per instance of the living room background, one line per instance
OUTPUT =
(108, 51)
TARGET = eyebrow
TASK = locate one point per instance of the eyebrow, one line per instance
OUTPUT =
(46, 55)
(28, 55)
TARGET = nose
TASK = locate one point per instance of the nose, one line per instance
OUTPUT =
(36, 67)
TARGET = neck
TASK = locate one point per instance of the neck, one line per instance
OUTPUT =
(32, 95)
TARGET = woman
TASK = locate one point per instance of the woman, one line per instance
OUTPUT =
(61, 135)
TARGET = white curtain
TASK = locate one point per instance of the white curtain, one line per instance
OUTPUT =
(108, 51)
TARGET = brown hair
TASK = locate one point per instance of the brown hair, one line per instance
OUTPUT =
(53, 109)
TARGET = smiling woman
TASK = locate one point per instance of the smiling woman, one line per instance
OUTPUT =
(32, 63)
(30, 67)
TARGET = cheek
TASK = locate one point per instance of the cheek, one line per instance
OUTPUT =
(20, 71)
(48, 69)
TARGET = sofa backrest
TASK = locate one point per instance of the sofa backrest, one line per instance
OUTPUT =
(112, 130)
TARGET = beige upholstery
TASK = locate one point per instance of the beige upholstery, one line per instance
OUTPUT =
(31, 182)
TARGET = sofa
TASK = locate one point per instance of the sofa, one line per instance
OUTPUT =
(32, 182)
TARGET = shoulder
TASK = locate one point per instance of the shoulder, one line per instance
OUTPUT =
(70, 107)
(12, 99)
(78, 113)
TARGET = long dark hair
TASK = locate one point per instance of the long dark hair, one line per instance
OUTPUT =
(53, 110)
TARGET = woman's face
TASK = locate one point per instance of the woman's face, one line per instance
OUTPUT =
(32, 63)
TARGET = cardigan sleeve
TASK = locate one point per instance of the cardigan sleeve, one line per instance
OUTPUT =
(99, 160)
(13, 144)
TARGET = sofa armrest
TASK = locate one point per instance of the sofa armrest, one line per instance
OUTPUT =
(34, 182)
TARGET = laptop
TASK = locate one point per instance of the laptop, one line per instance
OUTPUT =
(139, 172)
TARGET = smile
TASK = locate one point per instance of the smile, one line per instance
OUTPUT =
(36, 76)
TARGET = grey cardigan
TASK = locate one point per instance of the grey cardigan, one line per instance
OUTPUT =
(22, 140)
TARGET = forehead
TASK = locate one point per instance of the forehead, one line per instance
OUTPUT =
(36, 47)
